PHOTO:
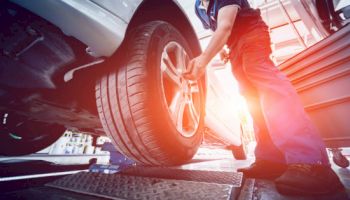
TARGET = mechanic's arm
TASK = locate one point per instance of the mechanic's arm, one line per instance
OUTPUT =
(225, 21)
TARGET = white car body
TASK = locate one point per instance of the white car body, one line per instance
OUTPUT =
(101, 29)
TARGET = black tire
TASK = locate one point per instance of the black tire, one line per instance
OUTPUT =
(133, 99)
(240, 152)
(28, 137)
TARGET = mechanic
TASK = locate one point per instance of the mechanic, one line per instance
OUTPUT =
(289, 149)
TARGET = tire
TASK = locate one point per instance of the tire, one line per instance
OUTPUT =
(152, 115)
(240, 152)
(26, 137)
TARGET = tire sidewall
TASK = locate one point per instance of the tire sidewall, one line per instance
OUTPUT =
(161, 36)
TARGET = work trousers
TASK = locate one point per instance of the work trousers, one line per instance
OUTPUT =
(283, 131)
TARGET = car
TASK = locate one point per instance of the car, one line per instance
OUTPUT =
(101, 67)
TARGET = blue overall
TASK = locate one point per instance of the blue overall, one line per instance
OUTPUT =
(283, 131)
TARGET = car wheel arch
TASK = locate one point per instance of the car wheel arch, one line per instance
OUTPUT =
(164, 10)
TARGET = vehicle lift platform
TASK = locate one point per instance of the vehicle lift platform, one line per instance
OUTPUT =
(208, 177)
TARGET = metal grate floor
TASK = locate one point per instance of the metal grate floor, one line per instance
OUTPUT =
(154, 183)
(220, 177)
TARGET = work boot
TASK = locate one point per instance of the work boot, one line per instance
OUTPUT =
(264, 169)
(305, 179)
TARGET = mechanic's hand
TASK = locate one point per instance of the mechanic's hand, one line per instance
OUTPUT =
(196, 68)
(224, 55)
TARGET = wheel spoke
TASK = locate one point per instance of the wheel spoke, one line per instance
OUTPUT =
(169, 69)
(180, 117)
(176, 103)
(193, 113)
(177, 109)
(181, 59)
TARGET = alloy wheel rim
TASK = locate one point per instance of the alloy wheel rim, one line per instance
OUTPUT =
(182, 96)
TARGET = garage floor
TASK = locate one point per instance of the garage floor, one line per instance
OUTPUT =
(210, 175)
